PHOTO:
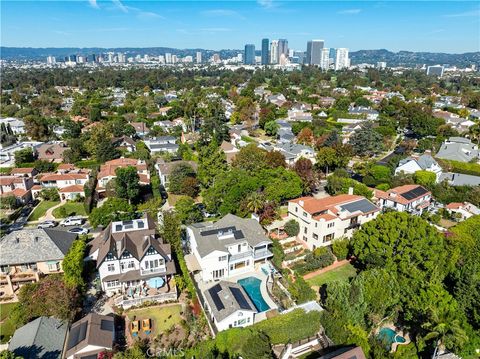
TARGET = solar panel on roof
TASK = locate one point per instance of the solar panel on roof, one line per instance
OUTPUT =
(106, 325)
(217, 230)
(414, 193)
(216, 299)
(363, 205)
(77, 334)
(240, 298)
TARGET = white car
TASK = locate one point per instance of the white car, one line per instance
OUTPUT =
(47, 224)
(72, 221)
(78, 230)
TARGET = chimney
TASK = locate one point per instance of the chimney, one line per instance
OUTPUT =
(301, 203)
(350, 190)
(36, 239)
(17, 240)
(428, 152)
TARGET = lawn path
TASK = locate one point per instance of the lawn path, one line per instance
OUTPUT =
(326, 269)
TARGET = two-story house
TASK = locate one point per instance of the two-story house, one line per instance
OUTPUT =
(323, 220)
(107, 171)
(408, 198)
(68, 180)
(294, 151)
(164, 169)
(17, 186)
(27, 254)
(162, 144)
(459, 149)
(425, 162)
(133, 261)
(228, 247)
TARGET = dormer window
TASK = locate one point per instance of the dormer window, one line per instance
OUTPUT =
(110, 257)
(151, 251)
(126, 254)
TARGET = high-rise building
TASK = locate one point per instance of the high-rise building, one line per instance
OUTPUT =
(436, 70)
(282, 48)
(168, 58)
(341, 59)
(381, 65)
(199, 57)
(249, 58)
(174, 59)
(51, 60)
(73, 58)
(188, 59)
(265, 52)
(274, 52)
(161, 59)
(110, 57)
(314, 52)
(325, 58)
(121, 58)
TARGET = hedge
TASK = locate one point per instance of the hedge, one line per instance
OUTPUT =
(460, 167)
(290, 327)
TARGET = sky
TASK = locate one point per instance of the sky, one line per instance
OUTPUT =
(437, 26)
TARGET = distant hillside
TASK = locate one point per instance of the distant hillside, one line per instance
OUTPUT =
(408, 58)
(402, 58)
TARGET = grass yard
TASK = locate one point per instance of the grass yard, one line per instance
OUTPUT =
(41, 209)
(344, 272)
(7, 327)
(163, 317)
(71, 209)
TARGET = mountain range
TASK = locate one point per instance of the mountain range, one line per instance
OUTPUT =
(401, 58)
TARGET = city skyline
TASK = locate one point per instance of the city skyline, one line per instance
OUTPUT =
(437, 27)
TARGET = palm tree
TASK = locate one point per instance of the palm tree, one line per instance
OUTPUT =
(447, 330)
(256, 202)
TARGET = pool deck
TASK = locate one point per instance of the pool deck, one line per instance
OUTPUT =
(398, 332)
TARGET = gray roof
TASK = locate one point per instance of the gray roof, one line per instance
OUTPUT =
(460, 179)
(41, 338)
(241, 229)
(293, 149)
(225, 298)
(424, 161)
(167, 167)
(458, 149)
(35, 245)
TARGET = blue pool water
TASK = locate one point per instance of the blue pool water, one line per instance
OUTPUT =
(252, 287)
(390, 336)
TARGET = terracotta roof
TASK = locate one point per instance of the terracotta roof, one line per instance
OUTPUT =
(454, 205)
(51, 150)
(143, 178)
(66, 166)
(37, 187)
(72, 189)
(7, 180)
(63, 177)
(17, 192)
(22, 170)
(108, 169)
(313, 205)
(399, 191)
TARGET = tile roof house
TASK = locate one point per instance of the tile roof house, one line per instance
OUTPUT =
(29, 253)
(41, 338)
(18, 186)
(324, 220)
(90, 336)
(228, 247)
(459, 149)
(107, 171)
(463, 210)
(229, 306)
(134, 262)
(408, 198)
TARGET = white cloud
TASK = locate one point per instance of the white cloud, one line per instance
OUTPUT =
(93, 3)
(350, 12)
(120, 6)
(267, 4)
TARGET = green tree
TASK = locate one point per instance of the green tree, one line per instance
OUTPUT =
(212, 162)
(292, 228)
(271, 128)
(425, 178)
(187, 211)
(6, 354)
(176, 179)
(326, 159)
(49, 194)
(127, 183)
(340, 248)
(105, 151)
(250, 158)
(113, 209)
(24, 156)
(72, 265)
(366, 141)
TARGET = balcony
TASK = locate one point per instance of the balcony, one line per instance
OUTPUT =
(149, 271)
(261, 254)
(241, 255)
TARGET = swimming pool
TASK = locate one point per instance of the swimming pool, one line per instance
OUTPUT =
(252, 287)
(389, 336)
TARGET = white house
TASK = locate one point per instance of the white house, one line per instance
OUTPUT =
(162, 144)
(17, 125)
(324, 220)
(228, 247)
(228, 306)
(63, 179)
(294, 151)
(413, 164)
(108, 171)
(408, 198)
(133, 261)
(464, 210)
(7, 154)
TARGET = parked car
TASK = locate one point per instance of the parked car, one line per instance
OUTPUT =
(72, 221)
(17, 226)
(47, 224)
(78, 230)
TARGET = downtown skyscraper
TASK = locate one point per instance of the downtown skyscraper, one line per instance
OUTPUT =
(249, 56)
(314, 52)
(265, 52)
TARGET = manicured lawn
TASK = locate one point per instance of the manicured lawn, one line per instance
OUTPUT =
(163, 317)
(7, 327)
(71, 208)
(40, 210)
(344, 272)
